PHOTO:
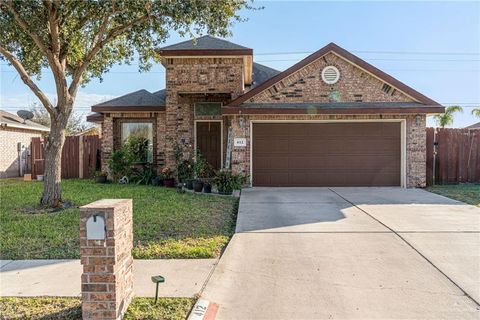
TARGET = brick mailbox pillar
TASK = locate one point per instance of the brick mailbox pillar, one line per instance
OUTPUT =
(106, 242)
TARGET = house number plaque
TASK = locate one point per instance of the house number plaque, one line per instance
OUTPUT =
(240, 142)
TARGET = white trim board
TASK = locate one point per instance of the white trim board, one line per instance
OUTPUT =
(403, 140)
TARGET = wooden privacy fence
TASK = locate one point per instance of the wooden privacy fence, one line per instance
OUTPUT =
(453, 155)
(80, 156)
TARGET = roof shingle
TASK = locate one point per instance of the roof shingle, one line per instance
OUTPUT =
(204, 43)
(140, 98)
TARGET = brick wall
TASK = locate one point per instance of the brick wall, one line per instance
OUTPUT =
(415, 141)
(306, 85)
(9, 138)
(196, 79)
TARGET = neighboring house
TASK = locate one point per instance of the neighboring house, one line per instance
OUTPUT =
(93, 131)
(15, 137)
(332, 119)
(474, 126)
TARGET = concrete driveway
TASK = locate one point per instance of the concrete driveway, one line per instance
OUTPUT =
(349, 253)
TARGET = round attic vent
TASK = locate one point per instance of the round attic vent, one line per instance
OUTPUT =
(330, 75)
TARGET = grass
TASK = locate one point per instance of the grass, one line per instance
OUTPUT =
(468, 193)
(53, 308)
(166, 224)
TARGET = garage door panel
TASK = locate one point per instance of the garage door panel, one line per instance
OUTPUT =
(272, 163)
(337, 162)
(327, 154)
(277, 145)
(354, 146)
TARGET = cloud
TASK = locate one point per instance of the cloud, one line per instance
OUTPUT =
(83, 101)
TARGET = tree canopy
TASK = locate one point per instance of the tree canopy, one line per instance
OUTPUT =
(78, 40)
(446, 119)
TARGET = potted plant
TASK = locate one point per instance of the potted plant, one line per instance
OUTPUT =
(207, 174)
(198, 165)
(168, 179)
(226, 182)
(207, 187)
(185, 173)
(157, 181)
(100, 177)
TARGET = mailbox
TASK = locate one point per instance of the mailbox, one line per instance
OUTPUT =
(96, 229)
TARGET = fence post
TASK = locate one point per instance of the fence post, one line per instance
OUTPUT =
(81, 142)
(435, 143)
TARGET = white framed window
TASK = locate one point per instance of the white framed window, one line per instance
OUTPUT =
(137, 138)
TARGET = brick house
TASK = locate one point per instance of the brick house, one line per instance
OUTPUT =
(15, 137)
(332, 119)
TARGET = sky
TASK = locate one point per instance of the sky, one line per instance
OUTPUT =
(433, 47)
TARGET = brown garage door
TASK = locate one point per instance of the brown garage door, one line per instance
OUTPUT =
(326, 154)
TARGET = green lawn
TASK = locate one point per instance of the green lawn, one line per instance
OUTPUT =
(54, 308)
(468, 193)
(167, 224)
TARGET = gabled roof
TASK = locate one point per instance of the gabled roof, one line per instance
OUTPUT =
(141, 100)
(474, 126)
(204, 42)
(262, 73)
(332, 47)
(206, 45)
(8, 119)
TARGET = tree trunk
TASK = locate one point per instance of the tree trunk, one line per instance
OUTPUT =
(52, 191)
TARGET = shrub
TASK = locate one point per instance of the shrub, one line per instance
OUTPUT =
(226, 181)
(119, 164)
(137, 148)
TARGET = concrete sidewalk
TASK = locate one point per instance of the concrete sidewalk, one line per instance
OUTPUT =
(184, 277)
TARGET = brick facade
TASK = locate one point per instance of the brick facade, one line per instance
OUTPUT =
(306, 85)
(220, 79)
(191, 80)
(107, 279)
(9, 138)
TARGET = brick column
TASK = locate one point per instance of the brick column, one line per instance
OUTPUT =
(416, 151)
(241, 155)
(107, 140)
(106, 242)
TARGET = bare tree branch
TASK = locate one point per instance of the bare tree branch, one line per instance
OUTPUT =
(26, 79)
(53, 26)
(53, 59)
(26, 29)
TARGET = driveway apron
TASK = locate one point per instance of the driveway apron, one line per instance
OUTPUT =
(349, 253)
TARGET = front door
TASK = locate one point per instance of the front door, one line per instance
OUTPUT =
(209, 142)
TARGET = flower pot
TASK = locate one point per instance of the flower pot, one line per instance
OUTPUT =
(197, 186)
(101, 179)
(169, 183)
(207, 188)
(189, 184)
(157, 181)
